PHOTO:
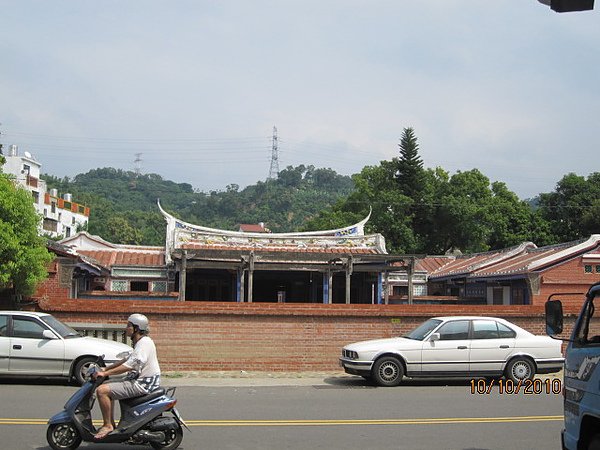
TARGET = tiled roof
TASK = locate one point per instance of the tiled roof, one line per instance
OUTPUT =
(430, 264)
(518, 264)
(517, 260)
(426, 264)
(464, 265)
(124, 257)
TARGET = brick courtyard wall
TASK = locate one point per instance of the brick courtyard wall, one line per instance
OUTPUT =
(272, 336)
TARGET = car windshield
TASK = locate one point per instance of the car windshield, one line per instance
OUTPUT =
(64, 330)
(421, 332)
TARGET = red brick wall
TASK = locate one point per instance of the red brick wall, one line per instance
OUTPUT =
(271, 336)
(50, 287)
(567, 277)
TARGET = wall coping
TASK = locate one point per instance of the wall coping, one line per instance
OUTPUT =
(288, 309)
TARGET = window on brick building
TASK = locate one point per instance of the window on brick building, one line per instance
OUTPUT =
(587, 268)
(597, 268)
(517, 296)
(139, 286)
(119, 285)
(159, 286)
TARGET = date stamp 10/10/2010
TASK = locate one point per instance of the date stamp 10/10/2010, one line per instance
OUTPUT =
(535, 386)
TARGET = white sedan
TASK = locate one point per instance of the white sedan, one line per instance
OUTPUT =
(38, 344)
(455, 346)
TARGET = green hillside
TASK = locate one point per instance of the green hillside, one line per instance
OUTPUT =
(124, 210)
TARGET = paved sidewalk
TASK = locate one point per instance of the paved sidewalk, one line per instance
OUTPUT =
(242, 378)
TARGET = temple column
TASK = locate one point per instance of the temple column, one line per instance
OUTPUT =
(250, 276)
(240, 285)
(409, 271)
(183, 276)
(348, 278)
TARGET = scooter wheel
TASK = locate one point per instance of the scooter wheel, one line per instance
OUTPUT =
(173, 438)
(63, 436)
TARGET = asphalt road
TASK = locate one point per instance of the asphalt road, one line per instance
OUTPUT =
(327, 413)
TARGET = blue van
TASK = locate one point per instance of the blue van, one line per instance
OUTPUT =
(581, 385)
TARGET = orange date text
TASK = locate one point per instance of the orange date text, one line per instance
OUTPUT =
(536, 386)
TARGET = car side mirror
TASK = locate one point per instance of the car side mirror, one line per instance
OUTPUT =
(47, 334)
(554, 317)
(434, 337)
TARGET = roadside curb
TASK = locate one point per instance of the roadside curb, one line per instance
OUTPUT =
(244, 378)
(265, 379)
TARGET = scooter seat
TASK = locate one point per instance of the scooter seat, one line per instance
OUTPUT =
(134, 401)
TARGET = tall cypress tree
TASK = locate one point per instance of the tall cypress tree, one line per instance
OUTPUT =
(410, 166)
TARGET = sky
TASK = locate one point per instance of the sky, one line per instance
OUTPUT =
(192, 89)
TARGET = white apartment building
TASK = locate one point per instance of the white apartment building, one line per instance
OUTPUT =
(60, 216)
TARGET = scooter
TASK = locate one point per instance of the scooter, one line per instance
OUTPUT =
(142, 420)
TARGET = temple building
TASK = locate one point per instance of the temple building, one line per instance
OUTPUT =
(207, 264)
(333, 266)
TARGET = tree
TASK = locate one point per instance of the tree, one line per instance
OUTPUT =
(23, 255)
(572, 209)
(410, 166)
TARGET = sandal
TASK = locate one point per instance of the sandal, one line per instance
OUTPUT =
(102, 432)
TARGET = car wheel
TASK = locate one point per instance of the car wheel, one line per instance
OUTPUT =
(63, 436)
(520, 369)
(388, 371)
(81, 369)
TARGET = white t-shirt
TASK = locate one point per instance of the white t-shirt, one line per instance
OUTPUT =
(143, 359)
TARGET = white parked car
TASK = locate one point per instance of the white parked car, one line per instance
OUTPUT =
(38, 344)
(455, 346)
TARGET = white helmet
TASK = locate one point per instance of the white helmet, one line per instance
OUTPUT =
(140, 320)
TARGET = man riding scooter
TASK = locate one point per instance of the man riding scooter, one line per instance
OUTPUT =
(143, 373)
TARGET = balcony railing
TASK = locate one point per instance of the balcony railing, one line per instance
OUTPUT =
(103, 331)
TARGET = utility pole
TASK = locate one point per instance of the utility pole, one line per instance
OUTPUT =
(274, 169)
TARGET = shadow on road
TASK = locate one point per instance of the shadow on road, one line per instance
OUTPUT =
(30, 381)
(359, 382)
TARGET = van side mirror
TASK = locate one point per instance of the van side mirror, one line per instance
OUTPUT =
(554, 317)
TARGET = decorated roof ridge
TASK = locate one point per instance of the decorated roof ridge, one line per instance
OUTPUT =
(356, 229)
(577, 247)
(501, 255)
(60, 248)
(548, 255)
(126, 249)
(109, 245)
(561, 244)
(70, 251)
